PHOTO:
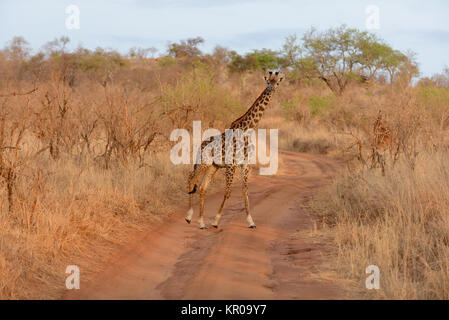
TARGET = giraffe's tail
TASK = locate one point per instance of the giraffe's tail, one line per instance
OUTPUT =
(193, 178)
(195, 187)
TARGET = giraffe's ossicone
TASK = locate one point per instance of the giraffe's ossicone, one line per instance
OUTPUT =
(216, 155)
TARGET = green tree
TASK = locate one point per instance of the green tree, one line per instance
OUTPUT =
(186, 48)
(265, 59)
(241, 64)
(255, 60)
(334, 55)
(100, 64)
(100, 60)
(292, 52)
(141, 53)
(340, 54)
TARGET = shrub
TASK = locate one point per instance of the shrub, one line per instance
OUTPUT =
(319, 105)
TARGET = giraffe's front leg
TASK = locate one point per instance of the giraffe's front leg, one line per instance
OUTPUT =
(229, 178)
(245, 174)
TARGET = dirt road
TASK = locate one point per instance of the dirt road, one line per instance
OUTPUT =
(179, 261)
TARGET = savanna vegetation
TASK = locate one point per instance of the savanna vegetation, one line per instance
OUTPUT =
(84, 141)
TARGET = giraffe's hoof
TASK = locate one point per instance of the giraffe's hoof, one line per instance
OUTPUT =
(253, 226)
(188, 221)
(203, 227)
(215, 226)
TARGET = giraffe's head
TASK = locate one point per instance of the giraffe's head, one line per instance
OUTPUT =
(273, 79)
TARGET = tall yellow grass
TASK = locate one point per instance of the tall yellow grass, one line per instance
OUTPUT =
(72, 215)
(85, 166)
(399, 222)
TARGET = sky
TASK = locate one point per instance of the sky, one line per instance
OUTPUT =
(241, 25)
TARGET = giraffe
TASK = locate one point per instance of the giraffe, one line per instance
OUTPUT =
(207, 170)
(383, 140)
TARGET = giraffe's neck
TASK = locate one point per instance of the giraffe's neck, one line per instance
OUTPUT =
(252, 117)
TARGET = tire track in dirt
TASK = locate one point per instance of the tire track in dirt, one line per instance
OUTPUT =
(178, 261)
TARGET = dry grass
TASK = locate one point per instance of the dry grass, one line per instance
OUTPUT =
(84, 167)
(79, 215)
(311, 138)
(390, 207)
(398, 222)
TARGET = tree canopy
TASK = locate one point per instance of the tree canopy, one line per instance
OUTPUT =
(186, 48)
(339, 54)
(335, 56)
(256, 60)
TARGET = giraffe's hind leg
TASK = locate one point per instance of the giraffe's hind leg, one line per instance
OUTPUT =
(192, 188)
(229, 178)
(245, 174)
(208, 175)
